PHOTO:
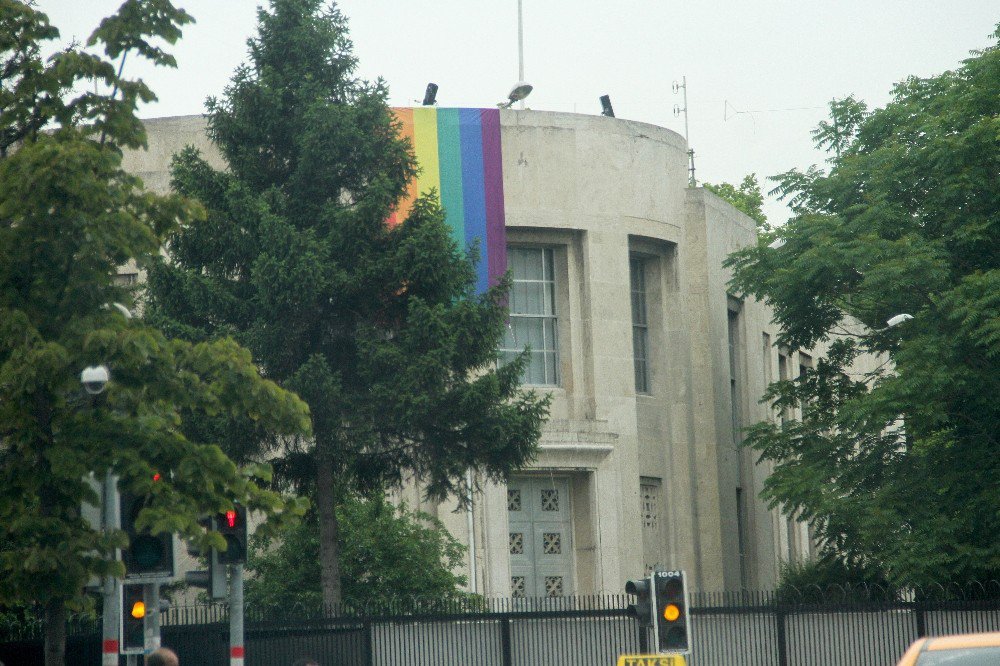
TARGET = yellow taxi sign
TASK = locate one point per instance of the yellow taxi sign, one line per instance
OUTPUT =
(652, 660)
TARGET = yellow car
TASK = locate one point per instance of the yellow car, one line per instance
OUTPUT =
(963, 650)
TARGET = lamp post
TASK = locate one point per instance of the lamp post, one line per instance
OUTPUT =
(95, 379)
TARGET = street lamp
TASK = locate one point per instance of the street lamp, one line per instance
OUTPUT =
(520, 90)
(94, 379)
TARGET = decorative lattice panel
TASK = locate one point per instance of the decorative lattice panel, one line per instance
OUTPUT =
(550, 499)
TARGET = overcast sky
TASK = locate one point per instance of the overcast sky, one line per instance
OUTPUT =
(759, 72)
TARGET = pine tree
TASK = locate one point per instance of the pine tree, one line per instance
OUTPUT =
(379, 329)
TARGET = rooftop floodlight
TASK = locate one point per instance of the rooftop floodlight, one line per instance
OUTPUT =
(430, 96)
(520, 90)
(899, 319)
(606, 109)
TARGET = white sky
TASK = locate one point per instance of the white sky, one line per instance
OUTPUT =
(759, 72)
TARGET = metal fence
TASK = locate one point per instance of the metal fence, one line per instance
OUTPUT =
(734, 629)
(473, 632)
(864, 627)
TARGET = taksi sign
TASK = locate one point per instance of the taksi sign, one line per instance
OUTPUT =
(652, 660)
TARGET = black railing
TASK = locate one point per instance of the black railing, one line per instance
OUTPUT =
(830, 626)
(470, 631)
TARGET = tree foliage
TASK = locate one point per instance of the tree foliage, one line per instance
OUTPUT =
(379, 329)
(896, 467)
(69, 216)
(389, 553)
(746, 198)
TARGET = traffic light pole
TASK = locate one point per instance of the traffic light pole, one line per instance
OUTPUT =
(653, 608)
(152, 617)
(236, 648)
(112, 585)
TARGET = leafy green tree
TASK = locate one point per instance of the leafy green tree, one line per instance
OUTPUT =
(829, 579)
(388, 553)
(746, 198)
(895, 467)
(69, 216)
(379, 329)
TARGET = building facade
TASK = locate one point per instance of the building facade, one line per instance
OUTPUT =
(652, 365)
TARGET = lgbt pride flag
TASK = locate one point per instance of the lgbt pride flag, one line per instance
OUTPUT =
(458, 154)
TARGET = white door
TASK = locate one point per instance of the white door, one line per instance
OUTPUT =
(541, 541)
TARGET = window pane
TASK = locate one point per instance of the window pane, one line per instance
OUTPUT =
(536, 368)
(639, 342)
(549, 272)
(533, 269)
(551, 376)
(549, 332)
(536, 339)
(534, 302)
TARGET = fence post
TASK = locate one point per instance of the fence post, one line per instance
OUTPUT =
(369, 652)
(921, 618)
(779, 619)
(508, 659)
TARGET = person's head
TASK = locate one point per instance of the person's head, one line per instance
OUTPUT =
(162, 657)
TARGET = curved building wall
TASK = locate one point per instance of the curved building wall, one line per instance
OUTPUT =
(631, 472)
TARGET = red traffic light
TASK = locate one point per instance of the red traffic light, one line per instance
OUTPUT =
(232, 523)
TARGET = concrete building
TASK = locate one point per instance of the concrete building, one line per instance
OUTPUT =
(653, 366)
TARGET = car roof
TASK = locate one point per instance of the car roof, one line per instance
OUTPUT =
(989, 639)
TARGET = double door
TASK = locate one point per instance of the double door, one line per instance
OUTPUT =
(541, 537)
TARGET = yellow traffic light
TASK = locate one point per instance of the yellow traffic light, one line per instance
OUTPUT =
(138, 610)
(671, 612)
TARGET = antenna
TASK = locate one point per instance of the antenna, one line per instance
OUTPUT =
(678, 87)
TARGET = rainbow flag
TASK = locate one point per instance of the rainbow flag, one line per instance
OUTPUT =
(458, 154)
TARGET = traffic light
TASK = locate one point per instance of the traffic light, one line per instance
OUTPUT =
(148, 555)
(642, 609)
(672, 620)
(133, 629)
(232, 524)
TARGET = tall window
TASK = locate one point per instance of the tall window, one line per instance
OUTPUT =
(805, 365)
(640, 325)
(768, 358)
(533, 321)
(735, 379)
(784, 376)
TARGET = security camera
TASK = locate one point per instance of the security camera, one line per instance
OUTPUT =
(94, 379)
